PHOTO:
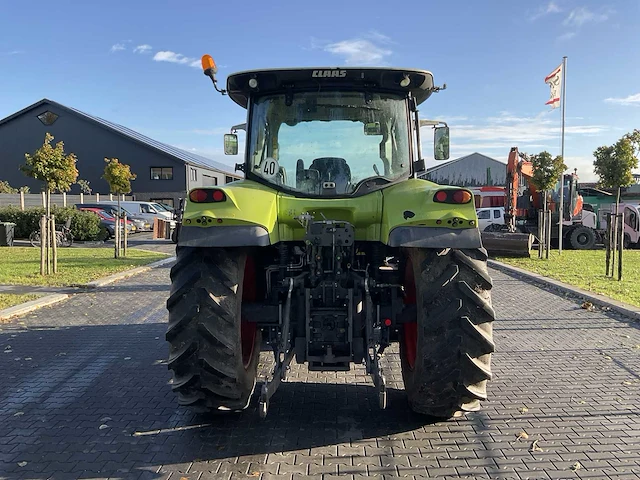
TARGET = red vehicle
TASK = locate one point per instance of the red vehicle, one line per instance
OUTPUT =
(109, 221)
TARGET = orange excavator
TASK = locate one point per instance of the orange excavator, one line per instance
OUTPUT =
(522, 203)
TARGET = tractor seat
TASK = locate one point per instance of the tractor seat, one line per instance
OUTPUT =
(333, 169)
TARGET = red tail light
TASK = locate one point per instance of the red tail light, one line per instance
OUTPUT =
(453, 196)
(201, 195)
(198, 196)
(441, 196)
(218, 195)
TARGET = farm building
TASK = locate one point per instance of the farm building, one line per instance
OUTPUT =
(164, 173)
(474, 170)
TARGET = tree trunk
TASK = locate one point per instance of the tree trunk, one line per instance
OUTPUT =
(124, 248)
(614, 239)
(545, 227)
(620, 242)
(54, 244)
(43, 245)
(620, 247)
(48, 245)
(607, 242)
(118, 229)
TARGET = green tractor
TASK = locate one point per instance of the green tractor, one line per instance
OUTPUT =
(331, 248)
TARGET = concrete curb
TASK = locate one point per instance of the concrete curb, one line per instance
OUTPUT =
(626, 309)
(32, 305)
(58, 297)
(128, 273)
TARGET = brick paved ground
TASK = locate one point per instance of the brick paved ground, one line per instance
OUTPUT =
(84, 394)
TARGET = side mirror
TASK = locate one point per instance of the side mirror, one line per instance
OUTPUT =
(441, 143)
(230, 144)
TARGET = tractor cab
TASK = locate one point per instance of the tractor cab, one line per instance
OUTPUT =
(330, 132)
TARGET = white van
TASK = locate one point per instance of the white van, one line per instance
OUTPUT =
(147, 210)
(489, 216)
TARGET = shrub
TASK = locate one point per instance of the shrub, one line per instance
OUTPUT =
(84, 225)
(26, 222)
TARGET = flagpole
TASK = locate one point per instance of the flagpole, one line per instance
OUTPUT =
(564, 84)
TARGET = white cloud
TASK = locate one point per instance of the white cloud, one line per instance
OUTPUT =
(13, 52)
(367, 49)
(117, 47)
(375, 36)
(517, 130)
(584, 166)
(172, 57)
(142, 49)
(494, 136)
(449, 119)
(551, 7)
(581, 15)
(567, 36)
(630, 100)
(358, 52)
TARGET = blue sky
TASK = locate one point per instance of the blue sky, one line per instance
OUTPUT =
(131, 63)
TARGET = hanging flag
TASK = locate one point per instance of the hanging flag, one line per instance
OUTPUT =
(554, 79)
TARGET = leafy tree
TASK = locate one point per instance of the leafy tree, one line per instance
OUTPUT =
(546, 172)
(6, 188)
(84, 186)
(58, 171)
(51, 165)
(118, 176)
(614, 163)
(24, 189)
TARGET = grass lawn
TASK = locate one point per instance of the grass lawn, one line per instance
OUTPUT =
(10, 299)
(585, 269)
(21, 265)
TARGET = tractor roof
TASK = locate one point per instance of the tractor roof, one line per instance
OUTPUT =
(330, 78)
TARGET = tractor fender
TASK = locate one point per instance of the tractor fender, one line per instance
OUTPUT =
(435, 237)
(228, 236)
(244, 216)
(411, 217)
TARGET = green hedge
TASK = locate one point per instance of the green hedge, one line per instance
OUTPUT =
(84, 225)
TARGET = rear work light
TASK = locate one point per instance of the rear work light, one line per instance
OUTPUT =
(453, 196)
(201, 195)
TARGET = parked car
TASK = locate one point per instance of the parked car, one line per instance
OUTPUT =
(108, 221)
(141, 224)
(490, 216)
(147, 210)
(168, 208)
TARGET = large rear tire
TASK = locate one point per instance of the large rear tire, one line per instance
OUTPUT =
(446, 353)
(214, 351)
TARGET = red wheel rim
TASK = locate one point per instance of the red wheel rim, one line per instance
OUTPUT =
(248, 336)
(410, 343)
(410, 329)
(248, 329)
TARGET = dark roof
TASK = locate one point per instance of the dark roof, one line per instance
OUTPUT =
(179, 154)
(343, 78)
(466, 157)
